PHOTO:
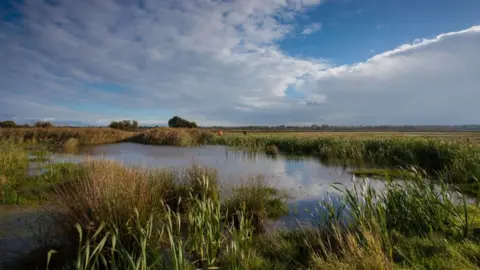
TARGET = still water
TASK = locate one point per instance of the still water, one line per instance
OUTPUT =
(303, 178)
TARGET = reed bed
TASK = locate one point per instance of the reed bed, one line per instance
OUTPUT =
(410, 225)
(453, 161)
(13, 170)
(60, 135)
(174, 136)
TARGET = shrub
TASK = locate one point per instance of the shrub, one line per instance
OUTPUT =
(8, 124)
(43, 124)
(124, 125)
(178, 122)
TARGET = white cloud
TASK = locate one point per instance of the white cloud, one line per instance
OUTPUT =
(431, 81)
(311, 28)
(183, 56)
(218, 62)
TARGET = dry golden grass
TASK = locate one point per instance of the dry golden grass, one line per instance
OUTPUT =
(173, 136)
(105, 190)
(59, 135)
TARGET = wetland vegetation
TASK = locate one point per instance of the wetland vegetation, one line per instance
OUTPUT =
(111, 216)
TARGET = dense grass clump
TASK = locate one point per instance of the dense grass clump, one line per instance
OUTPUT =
(260, 200)
(13, 170)
(174, 136)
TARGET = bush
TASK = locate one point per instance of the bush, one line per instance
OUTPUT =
(124, 124)
(8, 124)
(178, 122)
(43, 124)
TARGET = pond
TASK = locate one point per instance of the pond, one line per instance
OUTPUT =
(304, 178)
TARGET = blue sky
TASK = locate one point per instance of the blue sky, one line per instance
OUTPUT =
(241, 62)
(355, 30)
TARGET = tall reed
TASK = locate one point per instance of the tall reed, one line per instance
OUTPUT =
(454, 161)
(13, 170)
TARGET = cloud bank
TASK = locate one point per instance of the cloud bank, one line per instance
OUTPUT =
(217, 62)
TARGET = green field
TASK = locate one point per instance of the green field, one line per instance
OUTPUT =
(112, 217)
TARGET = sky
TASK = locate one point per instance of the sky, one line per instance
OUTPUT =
(241, 62)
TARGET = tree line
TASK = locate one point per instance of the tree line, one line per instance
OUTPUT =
(174, 122)
(178, 122)
(38, 124)
(124, 125)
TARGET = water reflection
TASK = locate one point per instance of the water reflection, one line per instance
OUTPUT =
(304, 178)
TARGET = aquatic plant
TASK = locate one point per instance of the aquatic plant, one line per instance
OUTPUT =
(13, 170)
(258, 200)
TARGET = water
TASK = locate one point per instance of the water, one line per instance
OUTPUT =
(23, 229)
(304, 178)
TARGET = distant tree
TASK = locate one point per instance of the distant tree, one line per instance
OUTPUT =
(124, 124)
(178, 122)
(8, 124)
(134, 124)
(43, 124)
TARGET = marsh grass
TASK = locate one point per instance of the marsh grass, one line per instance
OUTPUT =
(397, 174)
(70, 145)
(261, 201)
(453, 161)
(13, 170)
(138, 218)
(417, 207)
(60, 135)
(174, 136)
(272, 150)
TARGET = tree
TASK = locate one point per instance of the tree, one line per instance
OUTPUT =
(43, 124)
(178, 122)
(124, 124)
(8, 124)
